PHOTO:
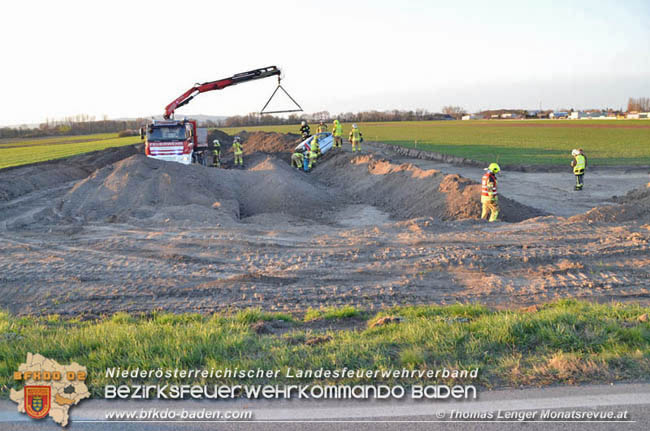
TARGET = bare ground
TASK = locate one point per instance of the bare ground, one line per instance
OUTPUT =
(373, 230)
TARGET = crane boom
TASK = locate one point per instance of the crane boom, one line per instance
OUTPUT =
(186, 97)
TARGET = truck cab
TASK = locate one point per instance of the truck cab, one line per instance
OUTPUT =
(174, 140)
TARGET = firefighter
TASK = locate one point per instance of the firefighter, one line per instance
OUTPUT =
(238, 150)
(337, 132)
(304, 130)
(316, 146)
(312, 159)
(489, 197)
(579, 164)
(322, 128)
(297, 159)
(356, 138)
(216, 153)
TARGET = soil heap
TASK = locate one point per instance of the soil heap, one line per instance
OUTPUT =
(407, 191)
(142, 188)
(635, 205)
(20, 180)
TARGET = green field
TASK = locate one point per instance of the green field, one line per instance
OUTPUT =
(540, 142)
(620, 142)
(16, 152)
(562, 342)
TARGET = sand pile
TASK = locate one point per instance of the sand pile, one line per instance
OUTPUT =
(635, 205)
(269, 142)
(406, 191)
(143, 188)
(139, 187)
(223, 137)
(20, 180)
(272, 186)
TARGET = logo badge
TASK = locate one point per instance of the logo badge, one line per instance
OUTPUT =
(38, 401)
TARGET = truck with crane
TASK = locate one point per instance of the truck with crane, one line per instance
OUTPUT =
(181, 140)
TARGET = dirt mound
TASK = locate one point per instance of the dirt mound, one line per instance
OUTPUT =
(635, 205)
(20, 180)
(272, 186)
(640, 194)
(144, 188)
(254, 142)
(223, 137)
(139, 186)
(269, 142)
(406, 191)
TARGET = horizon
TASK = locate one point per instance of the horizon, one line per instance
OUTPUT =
(476, 56)
(71, 118)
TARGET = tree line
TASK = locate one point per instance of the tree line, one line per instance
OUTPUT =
(255, 119)
(77, 125)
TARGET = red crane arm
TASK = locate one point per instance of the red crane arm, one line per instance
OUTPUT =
(186, 97)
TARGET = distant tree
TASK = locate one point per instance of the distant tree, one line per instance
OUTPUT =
(642, 104)
(455, 111)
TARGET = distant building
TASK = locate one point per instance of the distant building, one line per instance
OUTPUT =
(560, 114)
(510, 115)
(592, 115)
(633, 115)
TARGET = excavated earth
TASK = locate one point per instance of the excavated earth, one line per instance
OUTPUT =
(115, 231)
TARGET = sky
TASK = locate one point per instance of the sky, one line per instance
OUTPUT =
(131, 58)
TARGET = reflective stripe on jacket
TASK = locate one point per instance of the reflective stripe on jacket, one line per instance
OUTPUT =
(355, 135)
(337, 130)
(489, 185)
(237, 148)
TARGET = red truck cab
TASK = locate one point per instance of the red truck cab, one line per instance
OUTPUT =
(174, 140)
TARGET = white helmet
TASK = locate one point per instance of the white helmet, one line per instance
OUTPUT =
(303, 123)
(575, 153)
(237, 139)
(354, 126)
(216, 141)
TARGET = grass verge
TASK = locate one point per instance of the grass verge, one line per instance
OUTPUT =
(566, 341)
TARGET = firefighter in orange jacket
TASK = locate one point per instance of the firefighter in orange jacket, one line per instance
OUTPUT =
(489, 197)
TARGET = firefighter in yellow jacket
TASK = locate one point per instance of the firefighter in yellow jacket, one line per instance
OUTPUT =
(297, 159)
(312, 156)
(579, 164)
(337, 132)
(313, 153)
(489, 197)
(356, 138)
(216, 154)
(238, 150)
(316, 146)
(322, 128)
